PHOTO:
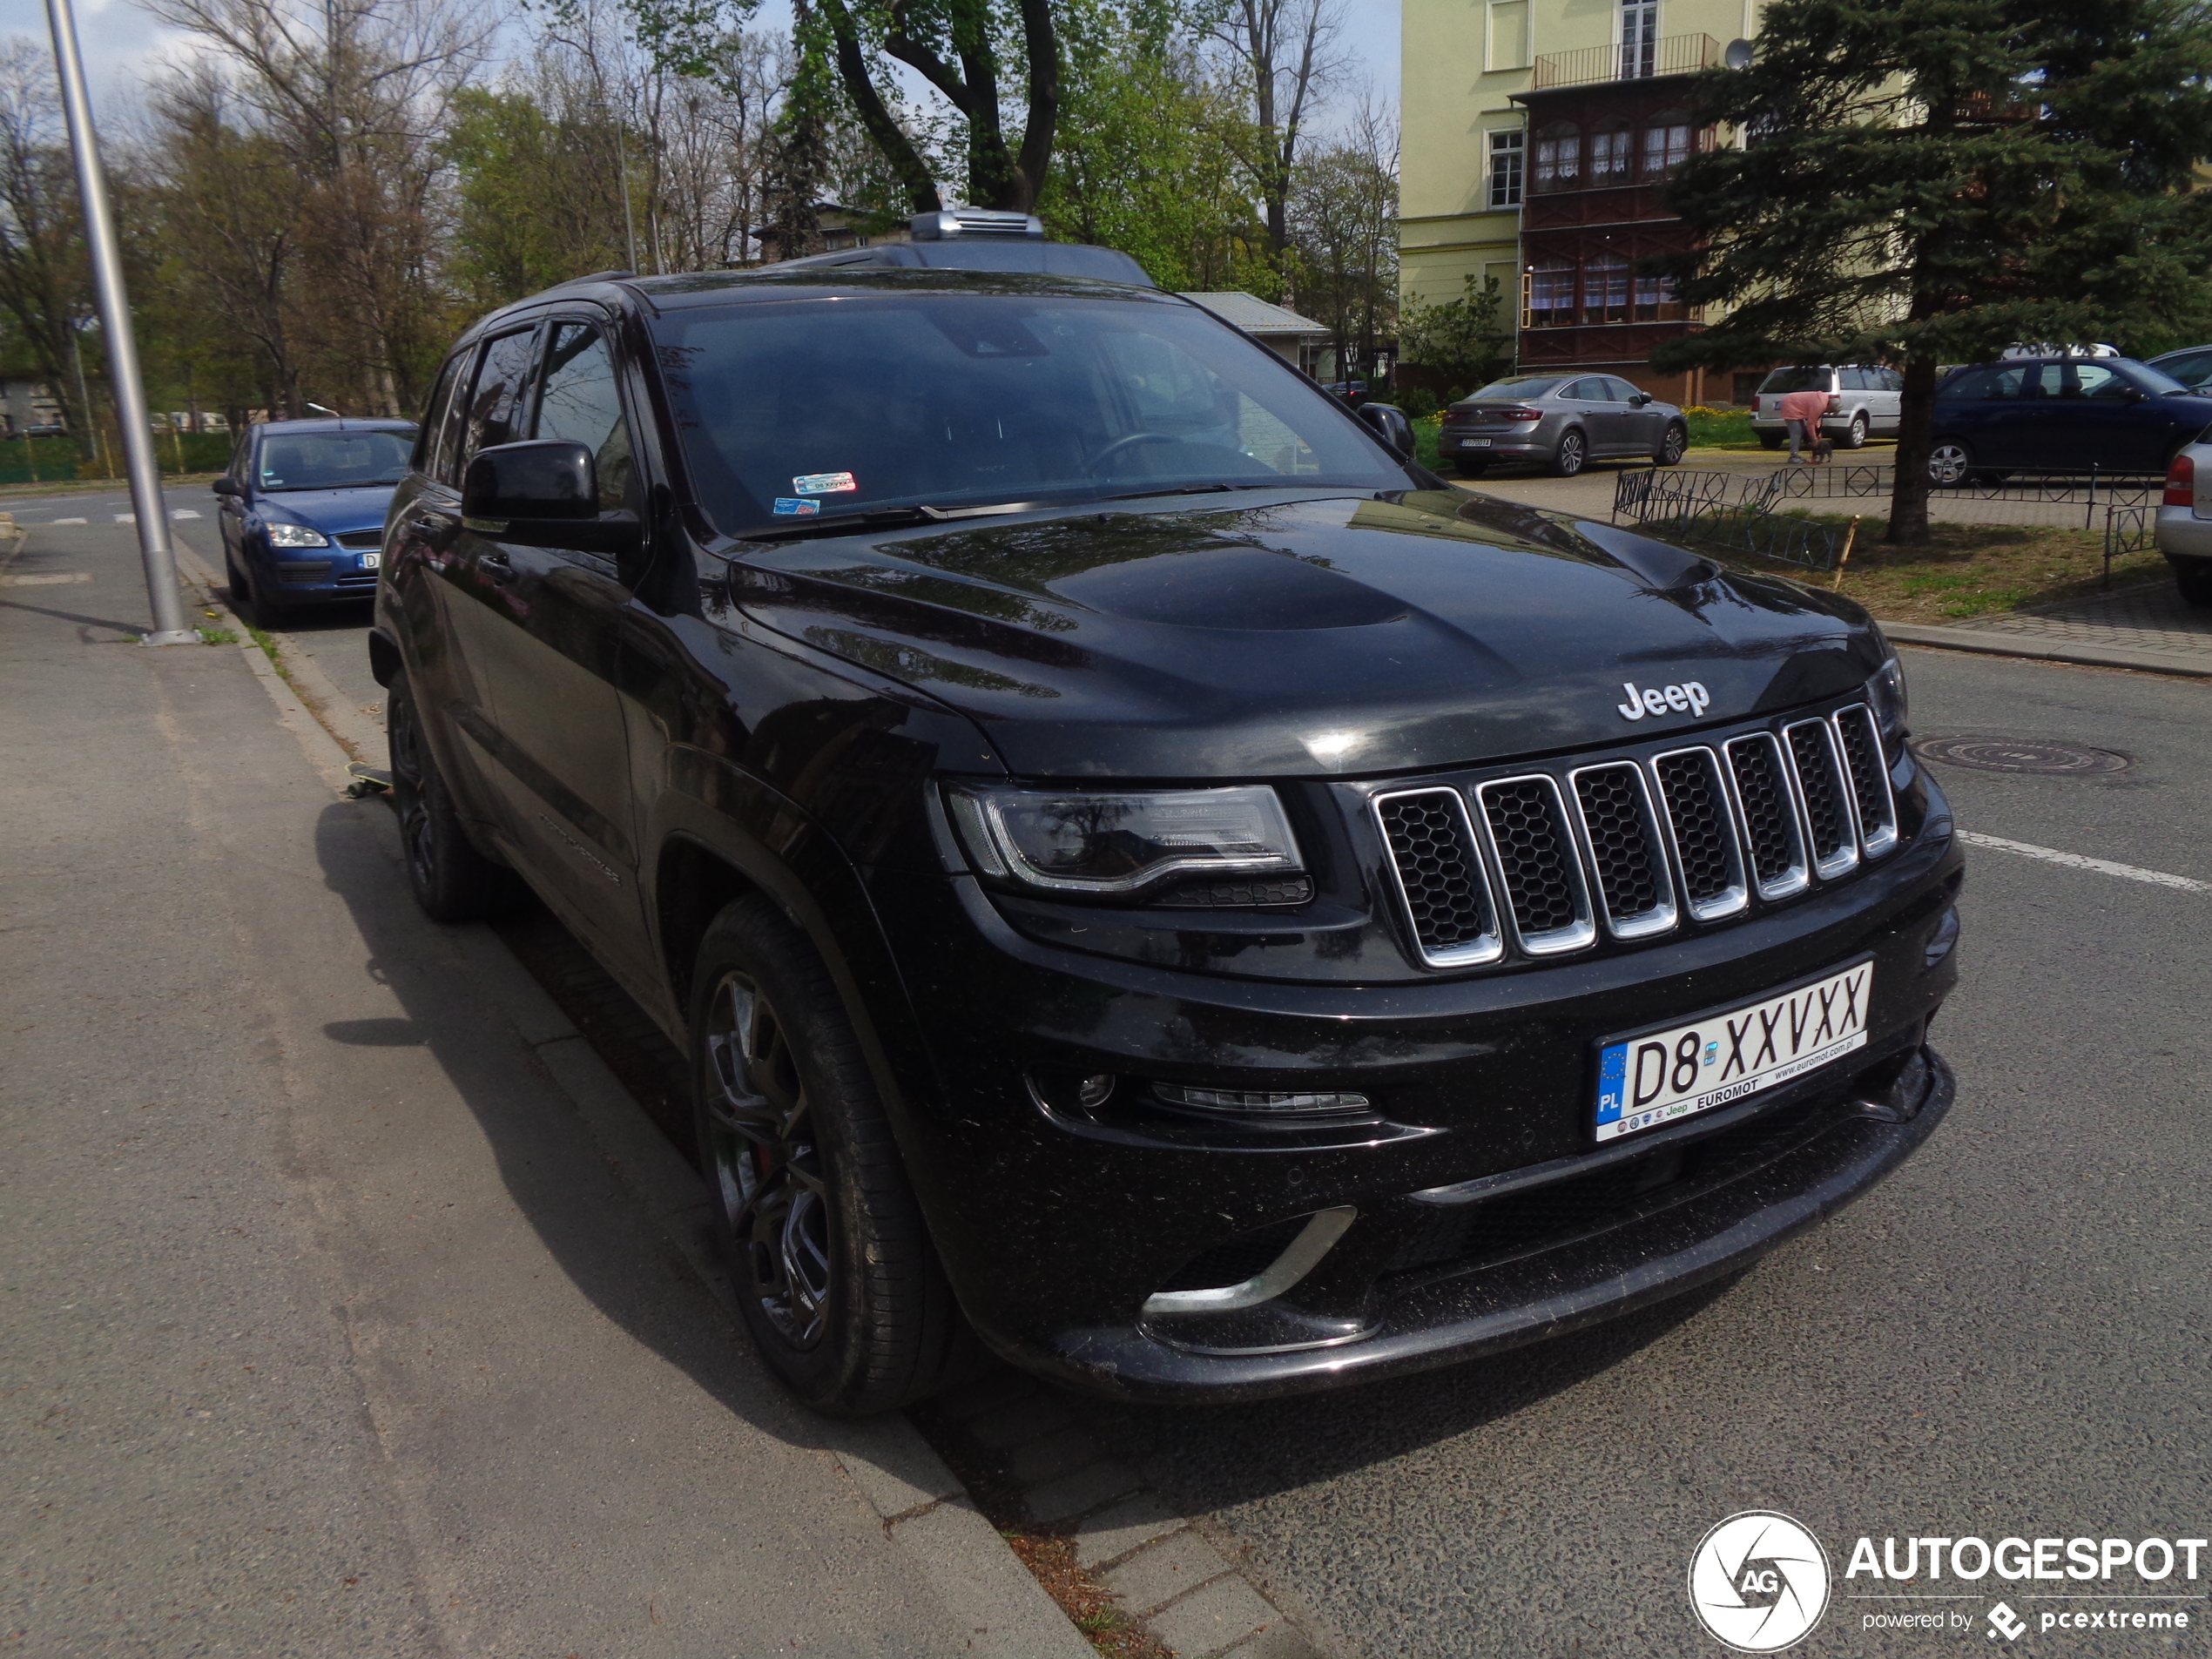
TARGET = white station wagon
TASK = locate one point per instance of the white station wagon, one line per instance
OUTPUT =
(1863, 399)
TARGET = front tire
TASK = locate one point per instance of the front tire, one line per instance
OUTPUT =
(251, 601)
(1854, 434)
(451, 880)
(2194, 577)
(824, 1244)
(1572, 455)
(1673, 446)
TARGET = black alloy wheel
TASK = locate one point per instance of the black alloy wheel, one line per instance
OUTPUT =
(1674, 445)
(817, 1224)
(1854, 434)
(450, 879)
(1573, 452)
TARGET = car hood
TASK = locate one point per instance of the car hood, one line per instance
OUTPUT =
(1309, 635)
(332, 511)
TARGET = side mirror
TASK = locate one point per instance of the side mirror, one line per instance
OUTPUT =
(1639, 399)
(544, 493)
(227, 487)
(1390, 425)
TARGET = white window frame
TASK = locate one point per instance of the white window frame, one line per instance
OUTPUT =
(1492, 61)
(1518, 148)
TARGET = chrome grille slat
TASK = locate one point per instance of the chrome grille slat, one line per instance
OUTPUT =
(1437, 866)
(1832, 826)
(1538, 864)
(1859, 741)
(1702, 828)
(1771, 823)
(1620, 835)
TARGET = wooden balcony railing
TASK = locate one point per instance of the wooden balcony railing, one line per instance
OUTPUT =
(1632, 60)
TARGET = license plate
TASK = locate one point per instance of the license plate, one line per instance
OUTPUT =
(1644, 1081)
(372, 561)
(1475, 443)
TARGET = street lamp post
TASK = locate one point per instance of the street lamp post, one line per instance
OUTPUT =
(161, 560)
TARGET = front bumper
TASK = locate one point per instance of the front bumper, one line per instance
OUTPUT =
(1057, 1226)
(2181, 535)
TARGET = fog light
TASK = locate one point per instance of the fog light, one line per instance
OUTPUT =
(1094, 1090)
(1941, 940)
(1270, 1101)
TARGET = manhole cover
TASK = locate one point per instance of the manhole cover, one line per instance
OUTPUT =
(2022, 754)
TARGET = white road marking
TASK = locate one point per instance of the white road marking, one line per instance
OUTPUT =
(2074, 860)
(54, 579)
(69, 521)
(182, 512)
(126, 518)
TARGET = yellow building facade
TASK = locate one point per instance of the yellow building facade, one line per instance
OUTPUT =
(1537, 135)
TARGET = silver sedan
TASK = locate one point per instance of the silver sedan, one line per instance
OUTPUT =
(2184, 531)
(1562, 421)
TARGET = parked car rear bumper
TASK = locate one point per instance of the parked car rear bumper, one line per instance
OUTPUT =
(2181, 535)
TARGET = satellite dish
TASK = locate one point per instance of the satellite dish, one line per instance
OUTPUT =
(1739, 54)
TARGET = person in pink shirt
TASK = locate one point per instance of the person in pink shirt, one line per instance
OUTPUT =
(1801, 413)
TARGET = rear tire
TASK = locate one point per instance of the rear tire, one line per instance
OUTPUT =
(835, 1275)
(1572, 455)
(1769, 440)
(451, 880)
(2194, 577)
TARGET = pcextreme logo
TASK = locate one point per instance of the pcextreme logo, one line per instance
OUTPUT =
(1758, 1581)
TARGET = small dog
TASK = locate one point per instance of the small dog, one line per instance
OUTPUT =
(1822, 448)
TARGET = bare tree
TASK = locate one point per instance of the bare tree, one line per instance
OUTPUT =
(1283, 56)
(356, 92)
(1344, 225)
(42, 281)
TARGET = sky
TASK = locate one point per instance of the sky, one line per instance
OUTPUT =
(123, 45)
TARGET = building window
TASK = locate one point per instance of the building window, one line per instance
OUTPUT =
(1551, 294)
(1639, 39)
(1508, 151)
(1508, 43)
(1657, 300)
(1559, 158)
(1609, 147)
(1605, 290)
(1666, 145)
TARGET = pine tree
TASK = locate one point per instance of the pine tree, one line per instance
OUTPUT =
(1924, 182)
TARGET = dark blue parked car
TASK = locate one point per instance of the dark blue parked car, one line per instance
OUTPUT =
(2061, 414)
(302, 510)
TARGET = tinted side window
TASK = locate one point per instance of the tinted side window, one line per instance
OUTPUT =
(442, 417)
(1620, 390)
(579, 401)
(497, 396)
(1892, 381)
(1852, 380)
(2095, 381)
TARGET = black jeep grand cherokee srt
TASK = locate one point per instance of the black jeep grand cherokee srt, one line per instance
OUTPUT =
(1145, 874)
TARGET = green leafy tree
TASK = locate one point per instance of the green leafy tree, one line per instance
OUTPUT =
(531, 203)
(984, 57)
(1465, 340)
(1148, 153)
(1926, 181)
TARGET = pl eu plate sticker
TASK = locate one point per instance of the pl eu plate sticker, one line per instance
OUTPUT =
(823, 483)
(787, 507)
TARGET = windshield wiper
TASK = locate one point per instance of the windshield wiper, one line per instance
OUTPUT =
(881, 518)
(1195, 489)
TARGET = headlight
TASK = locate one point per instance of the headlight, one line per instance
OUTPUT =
(284, 534)
(1886, 696)
(1116, 842)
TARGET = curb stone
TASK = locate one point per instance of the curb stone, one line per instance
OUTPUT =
(1996, 643)
(920, 1504)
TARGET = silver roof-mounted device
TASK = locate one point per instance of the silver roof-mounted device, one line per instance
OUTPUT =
(949, 222)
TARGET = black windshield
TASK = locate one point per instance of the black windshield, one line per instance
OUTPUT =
(332, 460)
(824, 405)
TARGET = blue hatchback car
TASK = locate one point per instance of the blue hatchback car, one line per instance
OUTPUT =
(2064, 414)
(302, 512)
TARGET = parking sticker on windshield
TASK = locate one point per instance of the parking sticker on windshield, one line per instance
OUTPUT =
(788, 507)
(824, 483)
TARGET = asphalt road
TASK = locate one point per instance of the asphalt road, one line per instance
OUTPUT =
(2007, 1338)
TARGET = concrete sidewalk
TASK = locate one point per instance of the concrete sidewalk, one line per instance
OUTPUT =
(348, 1313)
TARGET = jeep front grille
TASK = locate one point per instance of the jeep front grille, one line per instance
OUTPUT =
(1537, 861)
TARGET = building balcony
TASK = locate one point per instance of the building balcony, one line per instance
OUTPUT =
(1632, 60)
